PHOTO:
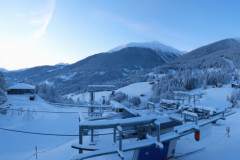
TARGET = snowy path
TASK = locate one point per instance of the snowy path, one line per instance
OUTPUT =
(232, 66)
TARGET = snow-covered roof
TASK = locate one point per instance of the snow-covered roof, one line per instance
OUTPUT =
(22, 86)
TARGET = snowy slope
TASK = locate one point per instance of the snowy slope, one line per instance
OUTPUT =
(156, 46)
(135, 89)
(215, 97)
(230, 62)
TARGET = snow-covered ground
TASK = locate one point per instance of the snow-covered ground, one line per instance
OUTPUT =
(215, 146)
(215, 97)
(14, 146)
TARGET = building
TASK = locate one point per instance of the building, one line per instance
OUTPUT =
(21, 88)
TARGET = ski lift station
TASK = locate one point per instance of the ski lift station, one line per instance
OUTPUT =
(21, 88)
(151, 136)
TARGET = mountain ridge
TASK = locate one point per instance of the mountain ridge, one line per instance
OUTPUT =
(154, 45)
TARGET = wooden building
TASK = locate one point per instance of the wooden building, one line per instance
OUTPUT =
(21, 88)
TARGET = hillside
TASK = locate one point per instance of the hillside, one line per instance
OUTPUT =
(100, 68)
(209, 56)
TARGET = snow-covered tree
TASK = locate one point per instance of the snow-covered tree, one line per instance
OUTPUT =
(119, 97)
(48, 93)
(2, 81)
(234, 98)
(2, 84)
(136, 101)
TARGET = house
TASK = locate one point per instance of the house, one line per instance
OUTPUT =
(21, 88)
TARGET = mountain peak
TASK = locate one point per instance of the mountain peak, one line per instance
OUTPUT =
(154, 45)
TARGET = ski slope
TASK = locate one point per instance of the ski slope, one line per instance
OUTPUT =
(215, 97)
(135, 89)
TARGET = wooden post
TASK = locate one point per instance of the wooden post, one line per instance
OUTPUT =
(194, 100)
(120, 137)
(114, 135)
(184, 118)
(36, 151)
(80, 137)
(157, 124)
(196, 119)
(92, 135)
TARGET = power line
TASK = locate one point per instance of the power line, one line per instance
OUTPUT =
(45, 134)
(50, 134)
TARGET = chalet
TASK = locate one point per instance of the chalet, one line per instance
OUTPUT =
(21, 88)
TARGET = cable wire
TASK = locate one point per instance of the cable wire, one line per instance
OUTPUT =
(50, 134)
(34, 110)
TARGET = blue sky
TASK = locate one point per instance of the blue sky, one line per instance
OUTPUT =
(46, 32)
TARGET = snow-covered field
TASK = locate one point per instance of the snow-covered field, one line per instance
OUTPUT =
(21, 146)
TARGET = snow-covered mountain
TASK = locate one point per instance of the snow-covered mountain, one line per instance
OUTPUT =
(100, 68)
(210, 56)
(154, 45)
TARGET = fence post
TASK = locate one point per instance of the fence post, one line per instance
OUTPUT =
(114, 135)
(92, 131)
(80, 137)
(120, 137)
(36, 151)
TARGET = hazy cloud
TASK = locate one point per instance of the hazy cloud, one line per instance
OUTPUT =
(41, 18)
